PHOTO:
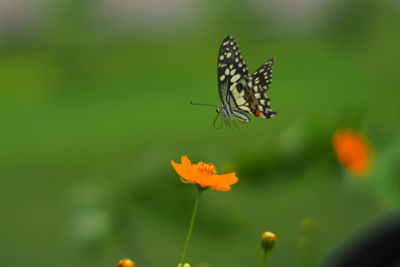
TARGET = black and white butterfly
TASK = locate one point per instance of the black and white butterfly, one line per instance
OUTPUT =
(239, 92)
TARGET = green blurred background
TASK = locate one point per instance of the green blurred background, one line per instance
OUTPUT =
(95, 104)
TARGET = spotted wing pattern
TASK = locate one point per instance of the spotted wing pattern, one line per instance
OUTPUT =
(237, 90)
(259, 84)
(233, 76)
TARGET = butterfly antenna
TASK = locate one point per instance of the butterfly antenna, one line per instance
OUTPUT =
(199, 104)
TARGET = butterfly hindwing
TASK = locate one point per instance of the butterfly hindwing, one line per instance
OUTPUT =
(259, 84)
(263, 76)
(259, 103)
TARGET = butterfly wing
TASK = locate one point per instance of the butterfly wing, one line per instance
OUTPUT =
(238, 91)
(233, 76)
(263, 76)
(260, 82)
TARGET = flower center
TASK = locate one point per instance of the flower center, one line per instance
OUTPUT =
(206, 168)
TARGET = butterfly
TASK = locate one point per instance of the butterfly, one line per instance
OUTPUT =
(239, 92)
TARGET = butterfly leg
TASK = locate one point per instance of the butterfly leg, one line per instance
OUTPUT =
(234, 123)
(215, 125)
(228, 123)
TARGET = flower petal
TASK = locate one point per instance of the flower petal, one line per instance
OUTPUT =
(186, 161)
(229, 178)
(185, 169)
(224, 181)
(181, 169)
(220, 188)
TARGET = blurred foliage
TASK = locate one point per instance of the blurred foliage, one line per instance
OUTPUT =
(93, 113)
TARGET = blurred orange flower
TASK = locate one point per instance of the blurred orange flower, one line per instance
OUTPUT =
(352, 151)
(204, 175)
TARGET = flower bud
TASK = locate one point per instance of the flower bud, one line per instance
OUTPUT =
(268, 240)
(126, 263)
(185, 265)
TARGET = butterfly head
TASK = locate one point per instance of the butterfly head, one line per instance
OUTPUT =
(223, 112)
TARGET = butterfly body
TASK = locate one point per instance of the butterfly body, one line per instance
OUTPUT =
(232, 114)
(239, 92)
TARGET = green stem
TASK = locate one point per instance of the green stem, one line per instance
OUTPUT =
(189, 235)
(264, 259)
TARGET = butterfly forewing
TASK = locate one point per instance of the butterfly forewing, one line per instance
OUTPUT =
(232, 74)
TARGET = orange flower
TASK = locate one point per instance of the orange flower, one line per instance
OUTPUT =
(204, 175)
(353, 151)
(126, 263)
